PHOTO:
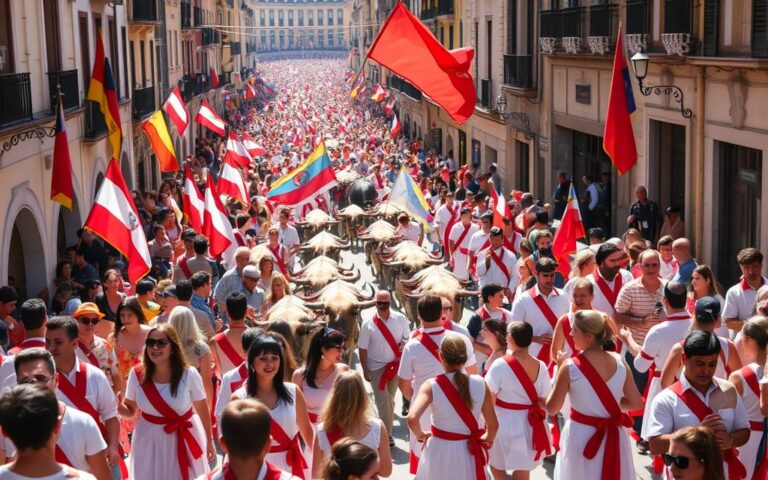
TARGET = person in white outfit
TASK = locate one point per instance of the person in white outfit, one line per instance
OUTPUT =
(459, 239)
(594, 441)
(455, 446)
(520, 384)
(496, 264)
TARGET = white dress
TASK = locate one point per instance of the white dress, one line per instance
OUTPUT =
(285, 415)
(371, 439)
(571, 463)
(748, 451)
(154, 453)
(511, 450)
(443, 459)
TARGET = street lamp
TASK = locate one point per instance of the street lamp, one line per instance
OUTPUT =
(501, 109)
(640, 61)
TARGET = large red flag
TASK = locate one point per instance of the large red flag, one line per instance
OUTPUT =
(571, 229)
(406, 47)
(618, 137)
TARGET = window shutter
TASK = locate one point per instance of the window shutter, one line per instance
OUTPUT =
(711, 23)
(511, 26)
(760, 28)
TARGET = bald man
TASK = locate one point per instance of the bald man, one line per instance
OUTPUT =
(681, 249)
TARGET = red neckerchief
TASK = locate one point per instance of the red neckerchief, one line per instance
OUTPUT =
(273, 473)
(746, 286)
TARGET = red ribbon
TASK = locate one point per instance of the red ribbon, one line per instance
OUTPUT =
(537, 419)
(607, 429)
(185, 440)
(736, 469)
(477, 447)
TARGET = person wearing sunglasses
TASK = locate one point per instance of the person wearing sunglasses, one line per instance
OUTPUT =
(321, 367)
(79, 443)
(174, 412)
(91, 348)
(700, 398)
(694, 455)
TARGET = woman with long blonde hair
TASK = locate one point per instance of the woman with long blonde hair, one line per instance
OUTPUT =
(348, 414)
(196, 349)
(582, 266)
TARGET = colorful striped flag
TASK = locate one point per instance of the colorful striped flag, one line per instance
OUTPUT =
(102, 91)
(314, 176)
(408, 196)
(157, 132)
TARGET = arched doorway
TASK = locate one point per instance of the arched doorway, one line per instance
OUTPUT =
(26, 259)
(68, 225)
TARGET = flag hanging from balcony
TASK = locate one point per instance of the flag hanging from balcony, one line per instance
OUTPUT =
(618, 137)
(157, 132)
(207, 117)
(62, 191)
(102, 91)
(177, 111)
(406, 47)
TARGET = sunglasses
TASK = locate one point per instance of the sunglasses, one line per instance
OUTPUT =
(679, 461)
(35, 379)
(158, 343)
(89, 320)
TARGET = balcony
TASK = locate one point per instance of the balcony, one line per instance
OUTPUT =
(571, 28)
(198, 16)
(517, 71)
(549, 30)
(638, 25)
(144, 11)
(223, 79)
(15, 98)
(70, 91)
(211, 36)
(485, 93)
(95, 126)
(143, 102)
(602, 28)
(678, 31)
(234, 48)
(186, 15)
(405, 87)
(430, 10)
(202, 83)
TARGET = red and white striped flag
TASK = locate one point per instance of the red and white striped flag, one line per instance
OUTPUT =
(389, 106)
(114, 218)
(501, 208)
(231, 183)
(207, 117)
(394, 130)
(176, 110)
(254, 149)
(194, 205)
(216, 225)
(236, 152)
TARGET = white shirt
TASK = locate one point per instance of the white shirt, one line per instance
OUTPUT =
(600, 302)
(494, 273)
(477, 242)
(443, 217)
(667, 270)
(740, 301)
(226, 391)
(66, 473)
(456, 232)
(418, 365)
(660, 340)
(97, 390)
(219, 474)
(412, 232)
(289, 236)
(372, 340)
(525, 309)
(594, 196)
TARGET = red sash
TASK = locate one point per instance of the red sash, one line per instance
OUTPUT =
(537, 417)
(242, 370)
(239, 238)
(172, 422)
(390, 369)
(484, 315)
(544, 354)
(228, 349)
(458, 243)
(473, 260)
(609, 294)
(736, 469)
(448, 324)
(185, 267)
(605, 428)
(291, 446)
(28, 343)
(499, 260)
(477, 448)
(334, 435)
(566, 323)
(273, 473)
(750, 378)
(61, 457)
(451, 222)
(429, 344)
(510, 243)
(88, 353)
(76, 394)
(279, 258)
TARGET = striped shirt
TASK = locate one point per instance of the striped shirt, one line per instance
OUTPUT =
(637, 301)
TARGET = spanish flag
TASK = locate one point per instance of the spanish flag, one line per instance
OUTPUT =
(102, 91)
(157, 131)
(618, 137)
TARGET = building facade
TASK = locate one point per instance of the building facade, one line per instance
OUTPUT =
(287, 25)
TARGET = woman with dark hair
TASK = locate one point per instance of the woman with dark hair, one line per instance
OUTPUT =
(494, 333)
(322, 366)
(703, 284)
(169, 393)
(351, 460)
(456, 447)
(288, 357)
(694, 455)
(109, 301)
(63, 272)
(265, 382)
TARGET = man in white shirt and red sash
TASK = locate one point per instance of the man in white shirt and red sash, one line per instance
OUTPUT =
(493, 301)
(542, 306)
(34, 316)
(380, 345)
(235, 378)
(289, 238)
(608, 278)
(245, 438)
(480, 241)
(226, 346)
(496, 264)
(699, 398)
(458, 244)
(279, 251)
(420, 360)
(30, 418)
(512, 238)
(446, 217)
(82, 385)
(740, 298)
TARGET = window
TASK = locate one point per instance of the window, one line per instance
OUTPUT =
(271, 18)
(290, 18)
(311, 18)
(340, 16)
(301, 18)
(319, 18)
(330, 17)
(262, 19)
(280, 19)
(735, 27)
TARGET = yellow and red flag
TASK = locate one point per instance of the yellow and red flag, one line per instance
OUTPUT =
(102, 91)
(157, 131)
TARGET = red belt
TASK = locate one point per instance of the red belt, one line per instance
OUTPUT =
(756, 426)
(185, 440)
(389, 374)
(608, 429)
(537, 419)
(465, 251)
(294, 457)
(477, 448)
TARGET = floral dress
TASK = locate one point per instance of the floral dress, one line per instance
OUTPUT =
(125, 363)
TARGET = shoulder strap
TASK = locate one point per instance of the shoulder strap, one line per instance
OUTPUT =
(387, 335)
(544, 308)
(184, 266)
(566, 323)
(598, 385)
(691, 400)
(522, 377)
(88, 353)
(429, 344)
(461, 408)
(222, 341)
(750, 378)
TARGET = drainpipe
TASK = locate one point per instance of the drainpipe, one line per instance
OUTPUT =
(699, 160)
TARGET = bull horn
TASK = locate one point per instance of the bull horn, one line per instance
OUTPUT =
(395, 264)
(314, 305)
(353, 278)
(434, 261)
(373, 291)
(304, 248)
(307, 298)
(300, 280)
(414, 295)
(468, 293)
(366, 304)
